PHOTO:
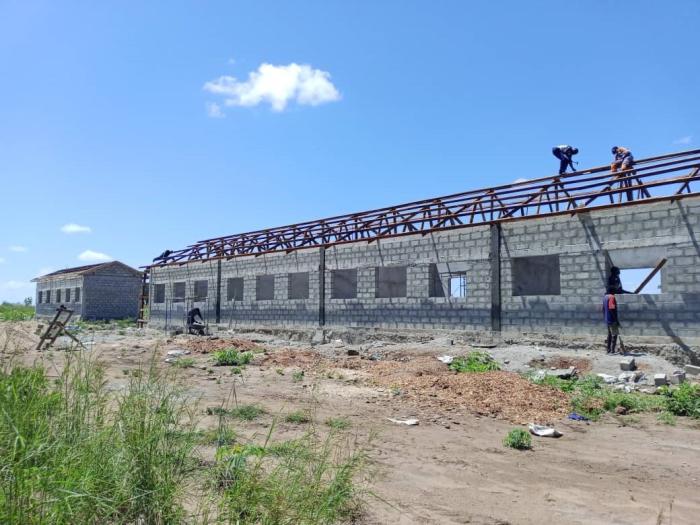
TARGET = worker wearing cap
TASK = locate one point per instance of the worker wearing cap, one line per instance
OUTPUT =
(623, 159)
(564, 153)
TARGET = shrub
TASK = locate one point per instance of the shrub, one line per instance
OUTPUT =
(683, 400)
(474, 362)
(232, 357)
(298, 376)
(298, 417)
(518, 438)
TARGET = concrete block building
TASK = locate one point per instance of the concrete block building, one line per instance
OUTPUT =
(489, 270)
(97, 291)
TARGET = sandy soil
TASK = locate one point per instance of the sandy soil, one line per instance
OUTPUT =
(452, 467)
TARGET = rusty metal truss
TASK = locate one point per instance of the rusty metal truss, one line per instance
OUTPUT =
(667, 177)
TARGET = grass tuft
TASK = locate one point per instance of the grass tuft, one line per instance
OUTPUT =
(232, 357)
(474, 362)
(338, 423)
(298, 417)
(518, 438)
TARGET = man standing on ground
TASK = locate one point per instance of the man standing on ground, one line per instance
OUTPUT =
(564, 153)
(611, 320)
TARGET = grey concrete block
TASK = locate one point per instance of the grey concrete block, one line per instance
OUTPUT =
(660, 380)
(628, 365)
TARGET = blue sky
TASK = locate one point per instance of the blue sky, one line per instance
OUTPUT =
(114, 115)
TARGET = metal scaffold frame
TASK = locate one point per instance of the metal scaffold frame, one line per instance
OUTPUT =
(666, 177)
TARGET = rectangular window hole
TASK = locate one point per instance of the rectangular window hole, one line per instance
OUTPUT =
(159, 293)
(234, 289)
(458, 284)
(298, 285)
(390, 281)
(537, 275)
(264, 287)
(179, 290)
(201, 290)
(631, 278)
(344, 284)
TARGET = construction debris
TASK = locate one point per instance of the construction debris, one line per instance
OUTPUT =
(542, 431)
(628, 364)
(408, 422)
(660, 379)
(692, 370)
(677, 377)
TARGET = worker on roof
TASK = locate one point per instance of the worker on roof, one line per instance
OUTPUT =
(623, 159)
(564, 153)
(163, 256)
(611, 319)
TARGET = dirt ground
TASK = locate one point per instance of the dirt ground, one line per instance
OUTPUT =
(452, 467)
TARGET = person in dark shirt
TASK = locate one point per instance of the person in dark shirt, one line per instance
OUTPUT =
(623, 159)
(611, 320)
(195, 322)
(614, 281)
(564, 153)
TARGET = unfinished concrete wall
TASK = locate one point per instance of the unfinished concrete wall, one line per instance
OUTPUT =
(47, 295)
(535, 275)
(113, 295)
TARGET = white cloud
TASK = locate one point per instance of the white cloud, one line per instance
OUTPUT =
(75, 228)
(520, 179)
(684, 141)
(276, 85)
(2, 260)
(214, 110)
(15, 285)
(17, 248)
(92, 256)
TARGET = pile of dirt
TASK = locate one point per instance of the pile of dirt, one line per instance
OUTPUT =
(581, 364)
(285, 357)
(504, 395)
(205, 345)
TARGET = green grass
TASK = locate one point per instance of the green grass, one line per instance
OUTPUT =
(667, 418)
(338, 423)
(683, 400)
(298, 376)
(591, 398)
(16, 312)
(184, 362)
(304, 481)
(71, 451)
(71, 454)
(474, 362)
(518, 438)
(298, 417)
(232, 357)
(247, 412)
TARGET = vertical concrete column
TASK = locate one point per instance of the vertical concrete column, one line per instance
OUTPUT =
(495, 263)
(218, 291)
(322, 286)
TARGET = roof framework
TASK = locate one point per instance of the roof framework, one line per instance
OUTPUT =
(665, 177)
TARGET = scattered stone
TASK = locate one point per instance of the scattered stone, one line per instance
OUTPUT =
(678, 377)
(628, 364)
(620, 410)
(506, 361)
(562, 373)
(447, 359)
(375, 357)
(660, 380)
(352, 351)
(607, 379)
(408, 422)
(692, 370)
(177, 353)
(443, 341)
